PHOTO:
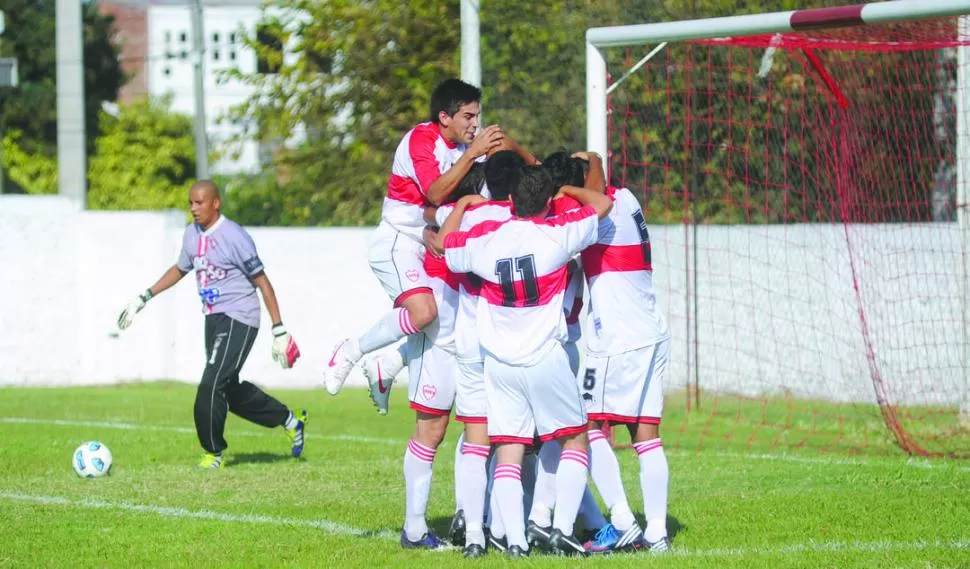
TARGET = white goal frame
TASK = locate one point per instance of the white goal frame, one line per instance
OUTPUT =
(597, 90)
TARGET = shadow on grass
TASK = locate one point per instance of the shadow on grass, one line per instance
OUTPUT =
(258, 458)
(441, 526)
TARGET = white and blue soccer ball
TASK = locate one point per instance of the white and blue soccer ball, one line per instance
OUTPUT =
(92, 460)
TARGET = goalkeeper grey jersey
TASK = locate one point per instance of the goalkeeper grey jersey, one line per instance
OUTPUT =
(224, 258)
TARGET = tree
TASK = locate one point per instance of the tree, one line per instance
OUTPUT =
(363, 72)
(145, 158)
(362, 77)
(31, 107)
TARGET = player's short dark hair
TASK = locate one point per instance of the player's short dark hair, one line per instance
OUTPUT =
(451, 95)
(500, 170)
(471, 184)
(532, 189)
(564, 169)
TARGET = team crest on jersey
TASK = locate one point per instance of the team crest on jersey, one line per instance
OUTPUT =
(412, 275)
(429, 392)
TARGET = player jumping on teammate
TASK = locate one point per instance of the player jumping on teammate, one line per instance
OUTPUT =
(430, 161)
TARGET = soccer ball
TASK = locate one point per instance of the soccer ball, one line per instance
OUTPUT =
(91, 460)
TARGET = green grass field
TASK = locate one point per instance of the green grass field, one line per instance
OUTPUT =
(736, 500)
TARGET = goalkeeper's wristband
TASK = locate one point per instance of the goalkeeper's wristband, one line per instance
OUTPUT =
(146, 296)
(278, 330)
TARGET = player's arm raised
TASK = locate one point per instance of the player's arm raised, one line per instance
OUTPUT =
(453, 222)
(596, 177)
(173, 275)
(509, 143)
(440, 189)
(597, 200)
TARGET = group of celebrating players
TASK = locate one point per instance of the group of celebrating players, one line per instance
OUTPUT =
(485, 252)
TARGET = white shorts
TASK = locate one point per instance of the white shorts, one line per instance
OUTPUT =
(471, 403)
(524, 400)
(432, 376)
(398, 262)
(626, 388)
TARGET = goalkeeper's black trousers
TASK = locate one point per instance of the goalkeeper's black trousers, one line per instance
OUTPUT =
(227, 344)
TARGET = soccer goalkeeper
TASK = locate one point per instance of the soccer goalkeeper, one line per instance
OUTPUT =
(228, 272)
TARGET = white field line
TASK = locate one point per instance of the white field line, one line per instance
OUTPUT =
(911, 462)
(168, 512)
(336, 528)
(173, 429)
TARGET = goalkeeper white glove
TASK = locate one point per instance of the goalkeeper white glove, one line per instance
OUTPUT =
(285, 350)
(133, 307)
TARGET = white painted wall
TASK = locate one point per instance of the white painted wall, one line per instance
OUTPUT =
(777, 305)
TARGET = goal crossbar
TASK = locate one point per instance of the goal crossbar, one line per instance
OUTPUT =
(754, 24)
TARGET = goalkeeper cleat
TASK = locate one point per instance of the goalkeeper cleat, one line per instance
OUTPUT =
(427, 541)
(473, 551)
(380, 382)
(341, 363)
(456, 533)
(565, 544)
(296, 433)
(210, 460)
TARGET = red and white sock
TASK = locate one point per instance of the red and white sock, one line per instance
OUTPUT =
(570, 484)
(654, 478)
(507, 489)
(605, 470)
(473, 481)
(417, 485)
(393, 326)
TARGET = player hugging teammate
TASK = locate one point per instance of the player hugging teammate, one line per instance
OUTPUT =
(489, 305)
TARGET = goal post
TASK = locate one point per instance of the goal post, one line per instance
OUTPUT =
(821, 158)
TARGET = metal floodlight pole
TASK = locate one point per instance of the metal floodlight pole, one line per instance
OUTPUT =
(71, 135)
(198, 54)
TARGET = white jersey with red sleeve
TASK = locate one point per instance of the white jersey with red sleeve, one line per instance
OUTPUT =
(622, 305)
(467, 342)
(522, 264)
(421, 158)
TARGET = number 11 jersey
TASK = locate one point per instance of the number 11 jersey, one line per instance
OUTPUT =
(522, 263)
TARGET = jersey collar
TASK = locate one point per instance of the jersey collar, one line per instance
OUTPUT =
(215, 226)
(451, 145)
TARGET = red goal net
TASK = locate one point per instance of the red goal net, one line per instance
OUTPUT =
(807, 241)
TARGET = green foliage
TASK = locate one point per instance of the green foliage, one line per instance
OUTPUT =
(31, 107)
(145, 159)
(362, 79)
(33, 173)
(695, 132)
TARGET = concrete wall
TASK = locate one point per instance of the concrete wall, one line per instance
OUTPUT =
(775, 308)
